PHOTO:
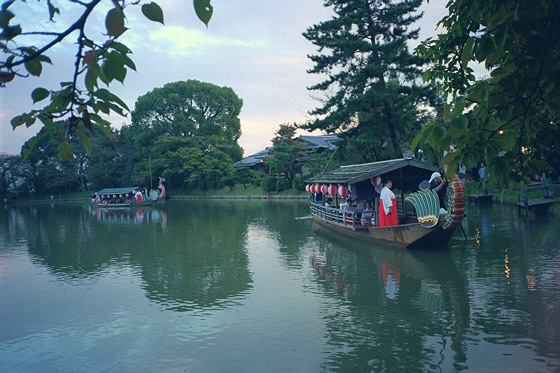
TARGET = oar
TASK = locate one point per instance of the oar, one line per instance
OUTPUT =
(308, 198)
(463, 230)
(304, 206)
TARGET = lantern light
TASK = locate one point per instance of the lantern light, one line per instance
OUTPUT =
(342, 191)
(376, 181)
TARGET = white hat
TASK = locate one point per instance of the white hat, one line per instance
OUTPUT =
(434, 175)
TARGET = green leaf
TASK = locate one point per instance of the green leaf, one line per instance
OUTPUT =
(128, 62)
(39, 94)
(34, 67)
(52, 10)
(91, 81)
(440, 133)
(5, 17)
(485, 48)
(10, 32)
(458, 126)
(113, 67)
(471, 159)
(87, 142)
(553, 105)
(98, 120)
(44, 58)
(203, 10)
(106, 95)
(508, 141)
(6, 77)
(114, 22)
(467, 52)
(7, 4)
(153, 12)
(120, 48)
(64, 151)
(422, 136)
(108, 132)
(19, 120)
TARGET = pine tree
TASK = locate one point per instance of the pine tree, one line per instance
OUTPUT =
(373, 92)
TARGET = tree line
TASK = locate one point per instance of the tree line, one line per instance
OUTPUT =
(380, 97)
(186, 132)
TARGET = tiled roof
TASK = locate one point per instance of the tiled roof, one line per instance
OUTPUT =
(352, 174)
(253, 159)
(312, 142)
(323, 141)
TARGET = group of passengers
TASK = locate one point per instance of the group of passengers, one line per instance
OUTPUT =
(364, 213)
(138, 195)
(356, 211)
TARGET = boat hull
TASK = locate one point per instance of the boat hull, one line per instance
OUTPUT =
(405, 235)
(121, 205)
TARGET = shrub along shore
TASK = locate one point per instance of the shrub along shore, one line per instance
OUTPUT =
(249, 192)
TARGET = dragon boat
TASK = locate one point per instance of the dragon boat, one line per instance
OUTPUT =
(421, 222)
(127, 197)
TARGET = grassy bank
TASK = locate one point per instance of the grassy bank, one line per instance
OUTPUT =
(506, 196)
(237, 190)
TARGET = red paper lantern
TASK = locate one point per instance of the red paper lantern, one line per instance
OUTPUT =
(376, 181)
(331, 190)
(324, 188)
(342, 191)
(307, 188)
(312, 189)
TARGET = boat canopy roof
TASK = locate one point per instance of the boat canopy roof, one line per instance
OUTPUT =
(407, 173)
(117, 190)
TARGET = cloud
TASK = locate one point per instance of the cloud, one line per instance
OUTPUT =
(182, 41)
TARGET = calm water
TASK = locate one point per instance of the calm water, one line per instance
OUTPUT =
(242, 286)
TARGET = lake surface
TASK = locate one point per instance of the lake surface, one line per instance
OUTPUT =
(244, 286)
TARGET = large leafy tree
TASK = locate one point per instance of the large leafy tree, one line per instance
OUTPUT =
(503, 118)
(282, 158)
(47, 171)
(195, 125)
(100, 59)
(373, 91)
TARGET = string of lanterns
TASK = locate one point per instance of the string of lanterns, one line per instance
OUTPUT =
(327, 189)
(341, 190)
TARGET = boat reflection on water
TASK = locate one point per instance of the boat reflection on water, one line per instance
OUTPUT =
(127, 215)
(409, 294)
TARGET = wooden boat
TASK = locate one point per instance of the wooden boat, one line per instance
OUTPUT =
(126, 197)
(425, 227)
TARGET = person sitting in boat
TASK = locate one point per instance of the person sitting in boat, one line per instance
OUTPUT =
(146, 194)
(388, 206)
(367, 214)
(349, 209)
(328, 202)
(360, 205)
(437, 184)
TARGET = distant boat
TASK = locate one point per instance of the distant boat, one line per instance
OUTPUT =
(425, 227)
(127, 197)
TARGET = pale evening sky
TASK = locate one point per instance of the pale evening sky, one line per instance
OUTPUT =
(254, 47)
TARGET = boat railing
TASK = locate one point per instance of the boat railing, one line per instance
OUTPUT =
(342, 217)
(355, 219)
